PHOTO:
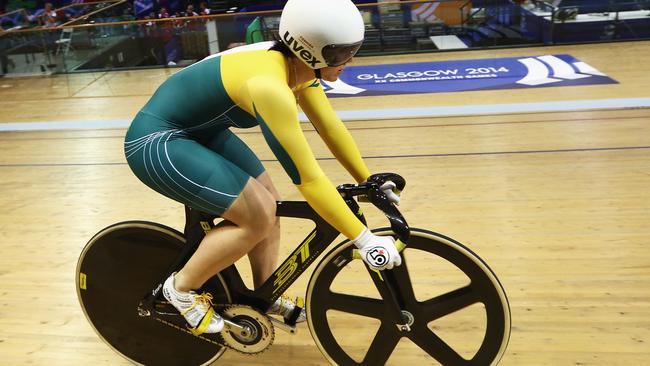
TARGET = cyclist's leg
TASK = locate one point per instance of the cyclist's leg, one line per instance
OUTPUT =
(264, 256)
(253, 217)
(189, 172)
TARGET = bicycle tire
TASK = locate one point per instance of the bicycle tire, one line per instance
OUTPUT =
(484, 287)
(117, 267)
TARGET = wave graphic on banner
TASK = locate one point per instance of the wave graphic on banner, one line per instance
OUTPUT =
(465, 75)
(340, 87)
(424, 12)
(538, 70)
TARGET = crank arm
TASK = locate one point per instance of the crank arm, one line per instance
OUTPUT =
(236, 328)
(283, 326)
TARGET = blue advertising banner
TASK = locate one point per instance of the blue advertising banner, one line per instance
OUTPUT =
(465, 75)
(143, 7)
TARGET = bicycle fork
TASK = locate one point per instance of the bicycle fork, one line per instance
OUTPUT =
(385, 280)
(387, 287)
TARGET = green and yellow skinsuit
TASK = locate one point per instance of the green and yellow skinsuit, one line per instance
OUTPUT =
(180, 143)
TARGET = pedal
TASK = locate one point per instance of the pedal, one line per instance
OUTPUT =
(284, 326)
(295, 314)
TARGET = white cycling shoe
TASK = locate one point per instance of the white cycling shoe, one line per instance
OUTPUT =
(284, 307)
(197, 309)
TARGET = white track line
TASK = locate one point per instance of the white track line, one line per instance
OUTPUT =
(378, 114)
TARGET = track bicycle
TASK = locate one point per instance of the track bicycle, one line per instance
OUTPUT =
(121, 270)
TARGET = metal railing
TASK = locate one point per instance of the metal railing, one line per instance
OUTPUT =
(598, 21)
(98, 38)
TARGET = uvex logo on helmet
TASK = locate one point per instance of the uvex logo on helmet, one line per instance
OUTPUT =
(298, 49)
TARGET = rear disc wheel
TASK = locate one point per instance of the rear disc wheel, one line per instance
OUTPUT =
(116, 269)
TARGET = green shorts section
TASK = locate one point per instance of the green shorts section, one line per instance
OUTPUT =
(206, 173)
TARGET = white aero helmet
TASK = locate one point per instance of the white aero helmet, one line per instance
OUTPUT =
(322, 32)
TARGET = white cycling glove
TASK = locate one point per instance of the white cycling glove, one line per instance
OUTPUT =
(378, 251)
(388, 189)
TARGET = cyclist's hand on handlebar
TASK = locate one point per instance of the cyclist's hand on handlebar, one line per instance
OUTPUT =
(389, 189)
(379, 252)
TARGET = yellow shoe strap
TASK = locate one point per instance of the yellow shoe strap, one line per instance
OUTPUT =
(205, 322)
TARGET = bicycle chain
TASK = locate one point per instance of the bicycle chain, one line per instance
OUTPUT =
(186, 330)
(221, 341)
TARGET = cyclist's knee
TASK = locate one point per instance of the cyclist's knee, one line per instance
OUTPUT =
(265, 180)
(263, 220)
(254, 210)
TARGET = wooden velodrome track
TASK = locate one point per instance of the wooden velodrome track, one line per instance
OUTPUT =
(556, 203)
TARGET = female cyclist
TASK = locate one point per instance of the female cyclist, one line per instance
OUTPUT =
(180, 144)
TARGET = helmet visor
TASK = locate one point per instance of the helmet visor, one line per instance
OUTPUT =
(338, 54)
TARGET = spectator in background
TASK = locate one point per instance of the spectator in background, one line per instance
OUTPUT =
(203, 8)
(30, 19)
(49, 16)
(127, 15)
(163, 13)
(166, 30)
(149, 25)
(4, 59)
(189, 12)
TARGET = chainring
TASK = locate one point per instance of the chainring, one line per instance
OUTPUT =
(261, 331)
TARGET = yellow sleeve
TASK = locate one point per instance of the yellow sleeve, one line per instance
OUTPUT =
(275, 108)
(318, 109)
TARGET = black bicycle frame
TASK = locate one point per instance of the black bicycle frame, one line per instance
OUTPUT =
(198, 224)
(293, 266)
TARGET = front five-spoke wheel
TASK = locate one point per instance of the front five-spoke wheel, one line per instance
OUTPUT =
(455, 308)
